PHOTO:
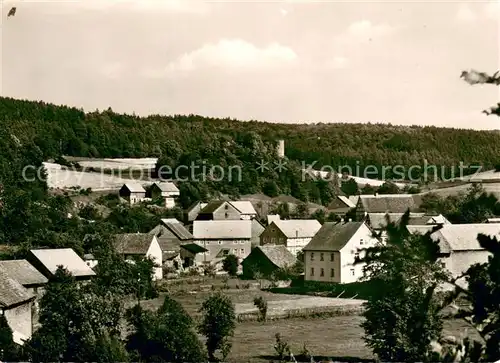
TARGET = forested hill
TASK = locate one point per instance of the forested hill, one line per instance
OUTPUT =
(65, 130)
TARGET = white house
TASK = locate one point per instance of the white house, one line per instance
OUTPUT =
(167, 191)
(132, 192)
(330, 255)
(246, 209)
(16, 304)
(140, 245)
(221, 238)
(47, 261)
(295, 234)
(458, 244)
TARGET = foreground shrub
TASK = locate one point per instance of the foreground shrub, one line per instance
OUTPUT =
(261, 304)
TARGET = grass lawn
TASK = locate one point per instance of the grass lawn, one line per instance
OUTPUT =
(338, 337)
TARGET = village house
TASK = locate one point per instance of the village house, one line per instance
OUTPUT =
(132, 193)
(266, 260)
(140, 245)
(16, 304)
(221, 238)
(48, 260)
(257, 229)
(177, 244)
(221, 210)
(246, 209)
(386, 203)
(340, 206)
(378, 221)
(28, 276)
(294, 233)
(167, 191)
(458, 244)
(330, 255)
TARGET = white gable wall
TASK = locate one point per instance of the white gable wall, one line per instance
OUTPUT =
(363, 238)
(155, 253)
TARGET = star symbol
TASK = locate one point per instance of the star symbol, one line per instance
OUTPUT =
(262, 166)
(280, 165)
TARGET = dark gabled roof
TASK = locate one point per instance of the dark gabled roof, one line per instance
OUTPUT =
(169, 244)
(179, 230)
(387, 203)
(194, 248)
(279, 255)
(23, 272)
(333, 236)
(212, 206)
(132, 243)
(12, 292)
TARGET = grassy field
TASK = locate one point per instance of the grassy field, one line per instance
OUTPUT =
(339, 337)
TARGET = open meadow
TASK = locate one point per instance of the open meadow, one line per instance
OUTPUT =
(336, 336)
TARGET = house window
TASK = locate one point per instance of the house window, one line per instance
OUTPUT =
(312, 256)
(361, 241)
(207, 243)
(225, 252)
(352, 271)
(332, 273)
(235, 251)
(322, 272)
(241, 242)
(356, 255)
(220, 242)
(321, 257)
(332, 256)
(226, 214)
(273, 240)
(312, 271)
(242, 251)
(226, 207)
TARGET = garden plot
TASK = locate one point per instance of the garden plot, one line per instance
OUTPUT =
(301, 307)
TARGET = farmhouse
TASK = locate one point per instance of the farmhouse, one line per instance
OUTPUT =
(340, 206)
(458, 244)
(386, 203)
(330, 255)
(16, 305)
(222, 238)
(219, 210)
(246, 209)
(48, 260)
(257, 229)
(140, 245)
(266, 260)
(28, 276)
(294, 233)
(165, 190)
(378, 221)
(132, 192)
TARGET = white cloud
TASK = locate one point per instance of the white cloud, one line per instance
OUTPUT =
(466, 14)
(229, 53)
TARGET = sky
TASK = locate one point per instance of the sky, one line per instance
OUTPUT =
(284, 61)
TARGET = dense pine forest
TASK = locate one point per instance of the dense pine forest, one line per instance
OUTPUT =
(42, 131)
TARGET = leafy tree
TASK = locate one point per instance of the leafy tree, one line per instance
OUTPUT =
(403, 315)
(349, 187)
(230, 265)
(261, 304)
(388, 188)
(302, 210)
(368, 189)
(167, 335)
(218, 323)
(73, 321)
